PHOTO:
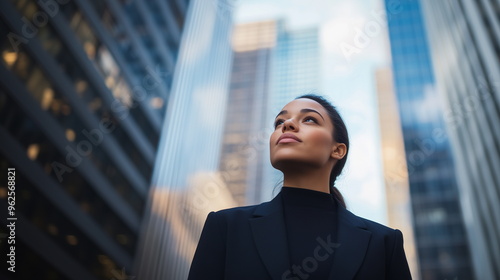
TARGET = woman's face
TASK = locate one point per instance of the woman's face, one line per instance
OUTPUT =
(303, 136)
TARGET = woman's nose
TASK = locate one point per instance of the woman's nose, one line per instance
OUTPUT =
(289, 125)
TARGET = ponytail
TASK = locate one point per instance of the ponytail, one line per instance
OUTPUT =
(336, 193)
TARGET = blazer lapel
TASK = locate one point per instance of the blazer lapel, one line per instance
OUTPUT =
(269, 233)
(353, 239)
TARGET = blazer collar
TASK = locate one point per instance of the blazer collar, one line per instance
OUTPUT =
(269, 233)
(353, 238)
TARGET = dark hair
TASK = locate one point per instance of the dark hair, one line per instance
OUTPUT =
(340, 135)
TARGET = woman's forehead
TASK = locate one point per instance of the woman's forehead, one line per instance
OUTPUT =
(301, 103)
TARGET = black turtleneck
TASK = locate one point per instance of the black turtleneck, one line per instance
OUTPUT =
(310, 219)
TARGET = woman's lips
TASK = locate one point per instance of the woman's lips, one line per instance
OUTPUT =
(288, 138)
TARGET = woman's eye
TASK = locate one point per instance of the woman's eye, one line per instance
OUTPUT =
(278, 122)
(310, 119)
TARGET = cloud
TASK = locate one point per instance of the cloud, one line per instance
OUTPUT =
(428, 108)
(354, 33)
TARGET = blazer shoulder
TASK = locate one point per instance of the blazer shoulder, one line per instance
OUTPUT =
(374, 226)
(385, 243)
(377, 228)
(392, 238)
(239, 212)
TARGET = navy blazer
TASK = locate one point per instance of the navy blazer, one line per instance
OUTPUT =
(250, 243)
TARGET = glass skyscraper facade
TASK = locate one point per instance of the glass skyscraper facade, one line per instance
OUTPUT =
(186, 183)
(441, 240)
(465, 45)
(84, 87)
(296, 65)
(246, 130)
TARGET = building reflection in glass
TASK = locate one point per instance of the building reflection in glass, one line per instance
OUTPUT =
(185, 184)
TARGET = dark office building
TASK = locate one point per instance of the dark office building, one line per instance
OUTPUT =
(440, 235)
(84, 87)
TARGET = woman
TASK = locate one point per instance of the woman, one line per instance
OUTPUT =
(305, 232)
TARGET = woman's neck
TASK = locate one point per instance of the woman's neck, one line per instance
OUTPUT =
(316, 180)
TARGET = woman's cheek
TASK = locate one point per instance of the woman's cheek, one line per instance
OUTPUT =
(320, 137)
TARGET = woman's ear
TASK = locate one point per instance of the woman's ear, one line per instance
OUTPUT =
(339, 150)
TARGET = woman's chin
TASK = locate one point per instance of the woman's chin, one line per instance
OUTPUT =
(290, 163)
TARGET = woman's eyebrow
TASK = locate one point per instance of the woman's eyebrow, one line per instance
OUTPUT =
(305, 110)
(281, 113)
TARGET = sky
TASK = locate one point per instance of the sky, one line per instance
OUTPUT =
(354, 44)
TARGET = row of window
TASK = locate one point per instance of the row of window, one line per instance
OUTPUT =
(57, 105)
(38, 267)
(55, 225)
(40, 149)
(138, 65)
(108, 67)
(446, 262)
(86, 90)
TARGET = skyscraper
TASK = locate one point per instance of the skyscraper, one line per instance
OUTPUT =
(464, 41)
(245, 127)
(84, 86)
(440, 235)
(186, 183)
(296, 65)
(397, 187)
